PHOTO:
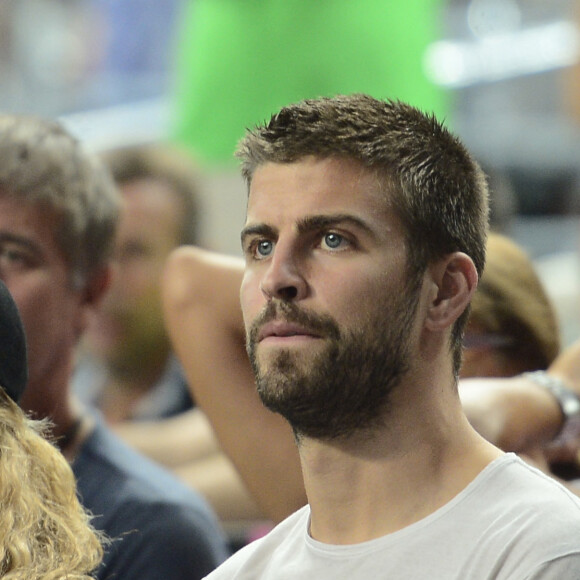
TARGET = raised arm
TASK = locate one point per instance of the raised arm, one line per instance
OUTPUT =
(204, 319)
(176, 441)
(187, 445)
(518, 414)
(513, 413)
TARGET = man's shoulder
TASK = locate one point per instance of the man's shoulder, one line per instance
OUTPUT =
(520, 483)
(272, 555)
(516, 509)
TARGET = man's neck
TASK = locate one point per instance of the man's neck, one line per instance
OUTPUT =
(51, 399)
(366, 487)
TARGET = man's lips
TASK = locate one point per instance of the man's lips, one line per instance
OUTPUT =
(280, 329)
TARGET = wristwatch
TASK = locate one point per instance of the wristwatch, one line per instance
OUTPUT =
(567, 399)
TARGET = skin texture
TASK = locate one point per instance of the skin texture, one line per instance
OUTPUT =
(326, 367)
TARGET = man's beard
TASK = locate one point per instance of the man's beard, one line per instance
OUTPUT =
(345, 386)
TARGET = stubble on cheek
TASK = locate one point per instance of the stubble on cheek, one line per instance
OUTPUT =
(283, 372)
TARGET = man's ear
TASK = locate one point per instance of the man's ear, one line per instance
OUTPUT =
(455, 280)
(95, 288)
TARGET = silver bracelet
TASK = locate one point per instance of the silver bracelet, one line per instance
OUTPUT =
(568, 400)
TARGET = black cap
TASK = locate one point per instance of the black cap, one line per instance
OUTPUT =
(13, 363)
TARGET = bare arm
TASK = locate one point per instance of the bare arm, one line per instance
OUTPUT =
(201, 302)
(173, 442)
(218, 481)
(518, 415)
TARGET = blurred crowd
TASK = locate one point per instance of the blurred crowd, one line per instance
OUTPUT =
(120, 318)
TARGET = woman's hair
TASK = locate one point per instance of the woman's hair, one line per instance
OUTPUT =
(46, 534)
(511, 302)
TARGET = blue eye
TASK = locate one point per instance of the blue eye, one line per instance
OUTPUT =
(264, 248)
(333, 241)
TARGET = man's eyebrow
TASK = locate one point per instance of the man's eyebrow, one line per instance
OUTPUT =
(257, 230)
(309, 224)
(319, 222)
(6, 237)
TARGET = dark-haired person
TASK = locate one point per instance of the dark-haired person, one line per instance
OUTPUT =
(127, 369)
(364, 241)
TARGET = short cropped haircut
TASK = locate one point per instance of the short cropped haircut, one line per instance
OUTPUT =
(437, 189)
(43, 165)
(168, 165)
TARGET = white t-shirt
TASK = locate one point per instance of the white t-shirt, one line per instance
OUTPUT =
(511, 522)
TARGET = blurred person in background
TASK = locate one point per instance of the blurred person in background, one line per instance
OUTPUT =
(513, 326)
(58, 213)
(127, 369)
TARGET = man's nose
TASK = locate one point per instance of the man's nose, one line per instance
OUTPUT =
(284, 277)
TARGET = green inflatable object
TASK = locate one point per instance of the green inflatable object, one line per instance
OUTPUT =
(239, 61)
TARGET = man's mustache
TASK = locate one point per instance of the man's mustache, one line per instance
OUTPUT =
(317, 324)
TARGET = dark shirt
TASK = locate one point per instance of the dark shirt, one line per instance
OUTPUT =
(160, 529)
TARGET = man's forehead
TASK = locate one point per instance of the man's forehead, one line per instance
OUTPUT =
(29, 223)
(330, 165)
(314, 186)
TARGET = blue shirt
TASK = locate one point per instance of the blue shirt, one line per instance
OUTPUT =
(160, 528)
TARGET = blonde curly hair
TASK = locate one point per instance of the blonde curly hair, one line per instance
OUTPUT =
(46, 534)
